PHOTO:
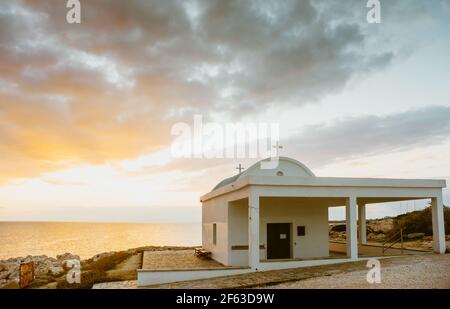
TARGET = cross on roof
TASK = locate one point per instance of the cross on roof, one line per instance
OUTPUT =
(240, 168)
(277, 148)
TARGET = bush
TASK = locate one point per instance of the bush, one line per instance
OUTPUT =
(338, 228)
(107, 262)
(87, 280)
(94, 271)
(418, 222)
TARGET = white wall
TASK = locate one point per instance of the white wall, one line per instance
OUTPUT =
(238, 232)
(216, 211)
(312, 215)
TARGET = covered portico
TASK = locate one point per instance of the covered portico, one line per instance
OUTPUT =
(356, 193)
(249, 219)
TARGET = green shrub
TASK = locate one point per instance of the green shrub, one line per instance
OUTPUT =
(107, 262)
(87, 280)
(94, 271)
(418, 222)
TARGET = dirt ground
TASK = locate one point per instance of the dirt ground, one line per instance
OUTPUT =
(127, 269)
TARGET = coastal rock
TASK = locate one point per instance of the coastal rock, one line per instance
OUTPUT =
(9, 275)
(9, 284)
(45, 268)
(12, 260)
(4, 275)
(9, 267)
(56, 270)
(380, 226)
(14, 275)
(67, 256)
(42, 267)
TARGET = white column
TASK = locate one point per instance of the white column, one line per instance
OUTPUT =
(437, 210)
(362, 224)
(253, 231)
(351, 228)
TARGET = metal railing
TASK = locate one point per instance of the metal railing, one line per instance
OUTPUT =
(394, 239)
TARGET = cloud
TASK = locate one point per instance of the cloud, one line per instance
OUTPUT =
(355, 137)
(111, 87)
(323, 144)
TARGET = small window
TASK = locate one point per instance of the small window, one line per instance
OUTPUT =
(214, 233)
(280, 173)
(301, 230)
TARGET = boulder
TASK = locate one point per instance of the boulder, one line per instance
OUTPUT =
(27, 259)
(14, 274)
(42, 268)
(4, 275)
(380, 225)
(10, 267)
(67, 256)
(14, 260)
(56, 270)
(12, 284)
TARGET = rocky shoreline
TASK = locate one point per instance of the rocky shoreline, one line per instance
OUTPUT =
(49, 270)
(43, 266)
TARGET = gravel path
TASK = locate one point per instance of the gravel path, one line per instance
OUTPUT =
(127, 269)
(416, 272)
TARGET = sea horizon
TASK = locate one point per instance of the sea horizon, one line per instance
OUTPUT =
(86, 239)
(81, 221)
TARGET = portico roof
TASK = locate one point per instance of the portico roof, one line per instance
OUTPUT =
(254, 179)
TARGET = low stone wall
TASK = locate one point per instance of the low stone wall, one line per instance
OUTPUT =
(278, 265)
(371, 249)
(153, 277)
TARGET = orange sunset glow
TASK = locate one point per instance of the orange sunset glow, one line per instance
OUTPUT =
(86, 110)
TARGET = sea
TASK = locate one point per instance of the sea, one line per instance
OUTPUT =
(87, 239)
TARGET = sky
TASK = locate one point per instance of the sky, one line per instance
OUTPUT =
(87, 110)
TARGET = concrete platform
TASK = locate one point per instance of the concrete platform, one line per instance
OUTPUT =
(159, 267)
(175, 260)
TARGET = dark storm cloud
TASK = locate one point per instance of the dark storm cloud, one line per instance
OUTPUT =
(239, 53)
(111, 87)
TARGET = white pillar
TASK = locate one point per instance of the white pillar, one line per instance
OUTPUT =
(362, 224)
(351, 228)
(437, 210)
(253, 231)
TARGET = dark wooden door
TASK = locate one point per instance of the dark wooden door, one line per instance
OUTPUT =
(278, 240)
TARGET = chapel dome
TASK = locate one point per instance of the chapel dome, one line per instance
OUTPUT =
(286, 167)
